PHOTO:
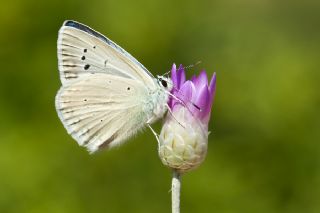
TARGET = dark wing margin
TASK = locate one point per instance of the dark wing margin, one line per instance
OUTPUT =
(90, 31)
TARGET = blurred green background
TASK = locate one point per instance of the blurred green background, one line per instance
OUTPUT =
(264, 152)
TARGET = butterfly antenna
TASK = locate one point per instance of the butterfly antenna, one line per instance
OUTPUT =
(167, 73)
(192, 65)
(187, 67)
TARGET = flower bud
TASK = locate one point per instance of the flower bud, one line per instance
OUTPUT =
(183, 144)
(184, 135)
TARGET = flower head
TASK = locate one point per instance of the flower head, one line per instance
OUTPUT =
(196, 93)
(184, 136)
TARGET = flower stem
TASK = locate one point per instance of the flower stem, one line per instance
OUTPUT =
(175, 192)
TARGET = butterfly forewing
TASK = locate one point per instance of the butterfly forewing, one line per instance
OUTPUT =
(103, 110)
(83, 51)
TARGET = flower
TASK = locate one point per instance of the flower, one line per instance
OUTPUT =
(184, 135)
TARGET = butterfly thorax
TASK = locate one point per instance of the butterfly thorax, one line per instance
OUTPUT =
(156, 106)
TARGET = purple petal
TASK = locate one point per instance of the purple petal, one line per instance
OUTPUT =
(203, 101)
(187, 95)
(181, 76)
(212, 91)
(193, 78)
(174, 81)
(212, 86)
(201, 80)
(185, 92)
(174, 76)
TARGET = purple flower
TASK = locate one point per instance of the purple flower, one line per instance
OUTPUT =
(197, 94)
(184, 135)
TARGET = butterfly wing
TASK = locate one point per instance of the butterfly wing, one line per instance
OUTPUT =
(83, 51)
(103, 110)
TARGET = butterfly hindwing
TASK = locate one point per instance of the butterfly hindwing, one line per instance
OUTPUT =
(102, 110)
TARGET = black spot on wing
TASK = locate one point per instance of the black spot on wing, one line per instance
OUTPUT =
(87, 66)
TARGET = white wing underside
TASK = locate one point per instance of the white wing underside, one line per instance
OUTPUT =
(101, 111)
(83, 51)
(103, 88)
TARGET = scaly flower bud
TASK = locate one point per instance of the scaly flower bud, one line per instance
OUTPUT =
(184, 135)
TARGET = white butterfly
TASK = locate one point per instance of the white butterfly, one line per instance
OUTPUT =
(106, 94)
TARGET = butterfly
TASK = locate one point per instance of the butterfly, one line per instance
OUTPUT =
(106, 96)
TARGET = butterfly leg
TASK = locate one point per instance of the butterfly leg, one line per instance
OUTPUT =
(183, 103)
(154, 133)
(171, 113)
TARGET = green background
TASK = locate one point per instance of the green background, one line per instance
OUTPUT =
(264, 152)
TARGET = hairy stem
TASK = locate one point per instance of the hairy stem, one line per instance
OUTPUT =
(175, 192)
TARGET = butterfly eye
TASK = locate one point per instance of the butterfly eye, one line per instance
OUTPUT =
(164, 83)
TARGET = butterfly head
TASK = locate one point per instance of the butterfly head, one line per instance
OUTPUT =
(165, 83)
